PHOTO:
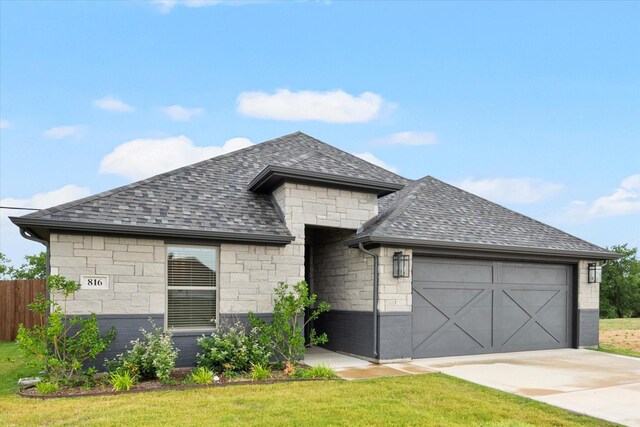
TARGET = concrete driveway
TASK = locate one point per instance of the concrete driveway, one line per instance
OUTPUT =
(602, 385)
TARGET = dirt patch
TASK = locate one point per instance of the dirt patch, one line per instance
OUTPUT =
(623, 338)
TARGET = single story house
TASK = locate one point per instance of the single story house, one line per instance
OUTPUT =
(411, 269)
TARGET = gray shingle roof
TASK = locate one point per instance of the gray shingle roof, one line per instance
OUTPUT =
(430, 210)
(211, 196)
(211, 199)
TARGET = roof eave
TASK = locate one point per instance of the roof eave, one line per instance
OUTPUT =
(272, 176)
(158, 232)
(482, 247)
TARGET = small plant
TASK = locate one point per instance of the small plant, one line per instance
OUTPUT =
(285, 333)
(320, 371)
(260, 372)
(201, 375)
(231, 375)
(62, 344)
(121, 381)
(231, 349)
(151, 357)
(289, 369)
(47, 387)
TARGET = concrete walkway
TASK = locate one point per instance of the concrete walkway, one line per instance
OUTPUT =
(352, 368)
(601, 385)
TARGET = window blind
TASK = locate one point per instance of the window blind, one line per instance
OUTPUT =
(192, 286)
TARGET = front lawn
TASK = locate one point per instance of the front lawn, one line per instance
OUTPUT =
(620, 336)
(413, 400)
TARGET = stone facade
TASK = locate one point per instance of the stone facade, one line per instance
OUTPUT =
(394, 294)
(588, 293)
(341, 276)
(249, 273)
(136, 269)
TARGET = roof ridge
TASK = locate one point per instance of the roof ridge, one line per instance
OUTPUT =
(63, 206)
(396, 209)
(516, 212)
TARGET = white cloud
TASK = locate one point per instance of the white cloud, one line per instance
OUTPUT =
(376, 161)
(409, 138)
(511, 190)
(182, 114)
(142, 158)
(332, 106)
(63, 131)
(5, 124)
(11, 242)
(110, 103)
(165, 6)
(624, 200)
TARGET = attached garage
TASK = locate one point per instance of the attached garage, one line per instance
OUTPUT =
(474, 306)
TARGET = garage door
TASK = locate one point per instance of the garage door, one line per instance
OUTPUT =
(472, 307)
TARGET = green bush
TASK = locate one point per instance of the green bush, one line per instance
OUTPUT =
(231, 349)
(201, 375)
(260, 372)
(121, 381)
(62, 344)
(285, 333)
(151, 357)
(47, 387)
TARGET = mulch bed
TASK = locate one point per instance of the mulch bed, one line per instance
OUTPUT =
(178, 375)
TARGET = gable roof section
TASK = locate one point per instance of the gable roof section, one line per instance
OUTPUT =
(208, 199)
(429, 212)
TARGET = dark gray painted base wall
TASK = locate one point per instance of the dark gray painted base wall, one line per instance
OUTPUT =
(352, 332)
(128, 329)
(588, 327)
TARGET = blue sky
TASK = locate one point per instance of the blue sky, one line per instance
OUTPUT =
(535, 105)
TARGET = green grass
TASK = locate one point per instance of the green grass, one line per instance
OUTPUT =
(12, 367)
(431, 399)
(619, 324)
(616, 350)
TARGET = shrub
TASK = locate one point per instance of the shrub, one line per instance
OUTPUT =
(151, 357)
(201, 375)
(121, 381)
(285, 333)
(61, 345)
(260, 372)
(47, 387)
(231, 349)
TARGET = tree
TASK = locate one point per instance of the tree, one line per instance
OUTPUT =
(620, 287)
(5, 268)
(34, 268)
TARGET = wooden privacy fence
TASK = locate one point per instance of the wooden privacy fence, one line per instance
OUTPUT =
(15, 297)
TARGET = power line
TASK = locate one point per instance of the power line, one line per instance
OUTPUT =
(21, 209)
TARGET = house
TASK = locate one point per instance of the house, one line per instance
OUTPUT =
(412, 269)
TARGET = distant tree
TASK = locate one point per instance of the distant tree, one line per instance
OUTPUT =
(34, 268)
(5, 268)
(620, 287)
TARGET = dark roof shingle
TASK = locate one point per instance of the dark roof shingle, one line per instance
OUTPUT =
(430, 210)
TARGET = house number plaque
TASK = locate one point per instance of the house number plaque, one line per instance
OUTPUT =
(94, 282)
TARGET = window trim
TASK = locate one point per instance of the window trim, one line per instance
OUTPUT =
(215, 288)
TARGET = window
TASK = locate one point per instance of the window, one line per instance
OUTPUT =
(191, 287)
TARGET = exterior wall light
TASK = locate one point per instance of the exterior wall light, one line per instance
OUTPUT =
(400, 265)
(595, 273)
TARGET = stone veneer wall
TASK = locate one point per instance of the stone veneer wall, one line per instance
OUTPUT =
(395, 294)
(136, 270)
(588, 308)
(342, 276)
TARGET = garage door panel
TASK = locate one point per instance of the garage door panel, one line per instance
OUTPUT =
(442, 272)
(470, 317)
(533, 275)
(440, 326)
